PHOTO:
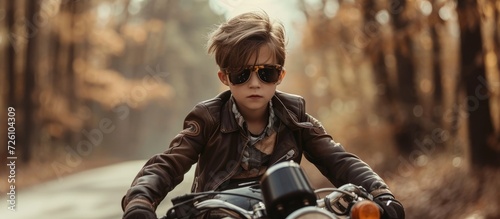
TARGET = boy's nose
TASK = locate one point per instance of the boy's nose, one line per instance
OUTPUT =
(254, 80)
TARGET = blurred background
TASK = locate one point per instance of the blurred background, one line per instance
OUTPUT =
(410, 86)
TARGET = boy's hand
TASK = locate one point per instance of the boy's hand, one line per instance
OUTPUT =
(139, 212)
(391, 208)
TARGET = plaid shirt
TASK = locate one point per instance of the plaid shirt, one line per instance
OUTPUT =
(258, 148)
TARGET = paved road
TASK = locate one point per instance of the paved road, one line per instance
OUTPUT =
(93, 194)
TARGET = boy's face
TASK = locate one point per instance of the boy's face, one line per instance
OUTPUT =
(253, 96)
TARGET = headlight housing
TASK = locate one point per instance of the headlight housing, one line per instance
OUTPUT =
(311, 212)
(285, 188)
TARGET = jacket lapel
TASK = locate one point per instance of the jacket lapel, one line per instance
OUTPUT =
(228, 122)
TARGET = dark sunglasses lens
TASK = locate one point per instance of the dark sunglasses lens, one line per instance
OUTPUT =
(269, 74)
(239, 77)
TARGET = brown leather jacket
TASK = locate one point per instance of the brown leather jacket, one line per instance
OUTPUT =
(211, 137)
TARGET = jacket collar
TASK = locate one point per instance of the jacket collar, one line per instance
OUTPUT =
(228, 121)
(283, 113)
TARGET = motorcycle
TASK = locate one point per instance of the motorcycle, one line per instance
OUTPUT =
(283, 192)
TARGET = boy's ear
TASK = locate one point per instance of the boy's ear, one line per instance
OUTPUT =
(223, 78)
(282, 75)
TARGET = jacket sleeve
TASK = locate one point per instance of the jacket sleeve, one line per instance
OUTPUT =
(339, 166)
(164, 171)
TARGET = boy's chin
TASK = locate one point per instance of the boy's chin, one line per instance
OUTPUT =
(254, 105)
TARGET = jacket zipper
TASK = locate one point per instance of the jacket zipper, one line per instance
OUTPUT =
(233, 170)
(287, 156)
(195, 189)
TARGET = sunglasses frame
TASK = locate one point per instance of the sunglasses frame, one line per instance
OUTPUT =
(255, 68)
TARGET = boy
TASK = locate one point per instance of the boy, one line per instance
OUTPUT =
(237, 135)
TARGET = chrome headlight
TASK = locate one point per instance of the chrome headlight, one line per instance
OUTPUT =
(311, 212)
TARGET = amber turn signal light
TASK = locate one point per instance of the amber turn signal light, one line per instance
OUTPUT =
(365, 209)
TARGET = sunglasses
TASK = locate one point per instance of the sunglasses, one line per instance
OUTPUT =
(266, 73)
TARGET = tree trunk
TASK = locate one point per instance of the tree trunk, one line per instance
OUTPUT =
(437, 102)
(9, 77)
(496, 41)
(375, 51)
(10, 54)
(29, 83)
(483, 151)
(408, 128)
(67, 72)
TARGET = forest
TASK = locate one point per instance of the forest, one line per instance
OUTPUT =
(410, 86)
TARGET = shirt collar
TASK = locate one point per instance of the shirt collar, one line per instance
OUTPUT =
(241, 121)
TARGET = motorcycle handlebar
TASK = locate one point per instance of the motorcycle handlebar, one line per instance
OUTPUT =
(358, 203)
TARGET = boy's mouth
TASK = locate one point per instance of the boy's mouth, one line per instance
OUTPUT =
(254, 96)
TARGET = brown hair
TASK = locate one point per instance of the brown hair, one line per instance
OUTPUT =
(236, 40)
